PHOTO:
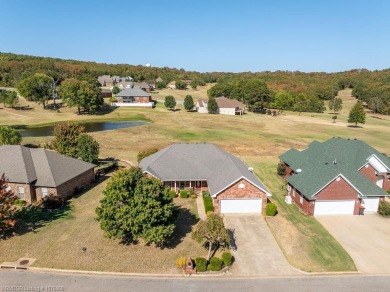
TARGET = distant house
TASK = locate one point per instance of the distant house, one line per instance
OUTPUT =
(338, 176)
(106, 80)
(187, 81)
(158, 79)
(172, 85)
(106, 93)
(144, 86)
(33, 174)
(225, 106)
(228, 106)
(201, 106)
(233, 187)
(134, 97)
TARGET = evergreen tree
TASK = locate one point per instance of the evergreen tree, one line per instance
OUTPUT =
(87, 149)
(357, 114)
(188, 102)
(212, 106)
(170, 102)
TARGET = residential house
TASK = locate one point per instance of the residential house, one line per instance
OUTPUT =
(106, 81)
(172, 85)
(226, 106)
(133, 97)
(201, 106)
(338, 176)
(34, 173)
(233, 186)
(106, 92)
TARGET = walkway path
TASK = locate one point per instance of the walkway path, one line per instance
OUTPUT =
(200, 204)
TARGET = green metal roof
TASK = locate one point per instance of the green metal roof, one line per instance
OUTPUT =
(321, 163)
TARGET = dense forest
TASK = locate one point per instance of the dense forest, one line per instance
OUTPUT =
(282, 89)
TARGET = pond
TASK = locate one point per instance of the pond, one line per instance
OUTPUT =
(89, 127)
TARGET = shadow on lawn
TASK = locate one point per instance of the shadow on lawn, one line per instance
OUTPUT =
(184, 223)
(31, 218)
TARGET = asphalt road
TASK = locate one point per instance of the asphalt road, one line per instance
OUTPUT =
(39, 281)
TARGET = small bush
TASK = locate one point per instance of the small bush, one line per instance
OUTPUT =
(205, 194)
(181, 262)
(52, 202)
(215, 264)
(183, 194)
(281, 169)
(201, 264)
(270, 209)
(384, 209)
(388, 191)
(172, 194)
(208, 203)
(20, 202)
(193, 196)
(227, 259)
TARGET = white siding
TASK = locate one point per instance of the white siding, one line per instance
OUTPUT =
(227, 111)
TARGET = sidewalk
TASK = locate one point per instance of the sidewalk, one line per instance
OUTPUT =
(200, 204)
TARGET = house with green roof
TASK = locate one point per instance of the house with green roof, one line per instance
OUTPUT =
(338, 176)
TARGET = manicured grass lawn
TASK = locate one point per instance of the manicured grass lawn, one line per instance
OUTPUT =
(59, 243)
(257, 139)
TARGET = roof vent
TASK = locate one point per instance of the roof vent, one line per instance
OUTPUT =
(299, 170)
(335, 161)
(250, 169)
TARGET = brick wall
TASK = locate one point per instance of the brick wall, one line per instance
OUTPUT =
(50, 191)
(369, 172)
(250, 191)
(29, 193)
(66, 190)
(306, 206)
(289, 171)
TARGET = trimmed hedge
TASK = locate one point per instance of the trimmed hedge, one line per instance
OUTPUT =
(384, 209)
(208, 202)
(215, 264)
(270, 209)
(201, 264)
(227, 259)
(183, 194)
(181, 262)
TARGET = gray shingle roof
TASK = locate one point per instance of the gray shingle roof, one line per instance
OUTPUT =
(132, 92)
(39, 166)
(318, 168)
(184, 162)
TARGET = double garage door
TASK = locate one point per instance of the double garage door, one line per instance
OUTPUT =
(344, 207)
(230, 206)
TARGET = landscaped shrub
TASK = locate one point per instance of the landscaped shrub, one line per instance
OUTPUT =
(227, 259)
(183, 194)
(281, 169)
(172, 194)
(205, 193)
(20, 202)
(181, 262)
(215, 264)
(384, 209)
(52, 202)
(270, 209)
(208, 202)
(201, 264)
(192, 194)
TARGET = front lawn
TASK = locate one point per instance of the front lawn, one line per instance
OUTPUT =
(60, 242)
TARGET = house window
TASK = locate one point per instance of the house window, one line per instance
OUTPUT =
(182, 185)
(301, 199)
(44, 192)
(21, 193)
(8, 188)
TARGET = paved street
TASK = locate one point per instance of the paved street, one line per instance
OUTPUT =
(33, 281)
(257, 252)
(366, 239)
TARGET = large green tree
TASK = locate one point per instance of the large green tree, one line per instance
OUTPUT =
(170, 102)
(83, 94)
(211, 233)
(66, 135)
(115, 89)
(212, 106)
(135, 206)
(37, 87)
(283, 100)
(181, 85)
(336, 104)
(9, 136)
(7, 207)
(357, 114)
(188, 102)
(87, 148)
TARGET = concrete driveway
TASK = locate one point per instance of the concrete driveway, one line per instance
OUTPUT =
(255, 250)
(366, 239)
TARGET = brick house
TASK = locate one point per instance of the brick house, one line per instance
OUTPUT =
(233, 186)
(35, 173)
(226, 106)
(134, 97)
(338, 176)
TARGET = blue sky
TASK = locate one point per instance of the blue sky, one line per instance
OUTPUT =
(213, 35)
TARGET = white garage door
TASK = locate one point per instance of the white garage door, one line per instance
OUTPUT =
(334, 207)
(371, 204)
(241, 206)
